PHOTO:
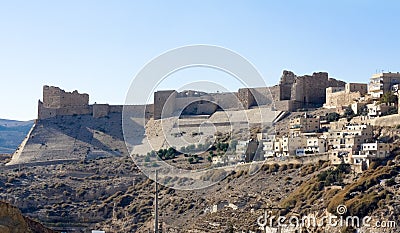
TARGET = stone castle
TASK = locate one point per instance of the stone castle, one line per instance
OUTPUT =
(57, 102)
(308, 91)
(69, 128)
(292, 93)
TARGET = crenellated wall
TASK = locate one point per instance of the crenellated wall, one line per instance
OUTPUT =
(292, 93)
(57, 102)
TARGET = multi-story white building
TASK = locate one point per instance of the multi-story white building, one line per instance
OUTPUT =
(377, 149)
(377, 110)
(291, 144)
(368, 152)
(316, 145)
(278, 150)
(345, 142)
(381, 83)
(304, 124)
(241, 148)
(268, 144)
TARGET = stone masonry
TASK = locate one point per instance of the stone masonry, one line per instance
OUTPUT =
(303, 91)
(344, 96)
(292, 93)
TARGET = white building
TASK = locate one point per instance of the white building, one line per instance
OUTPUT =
(268, 144)
(278, 150)
(345, 142)
(316, 145)
(377, 110)
(291, 144)
(370, 151)
(381, 83)
(241, 147)
(377, 149)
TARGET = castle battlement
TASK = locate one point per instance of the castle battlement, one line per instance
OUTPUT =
(292, 92)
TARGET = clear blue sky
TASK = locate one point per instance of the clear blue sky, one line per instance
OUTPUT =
(98, 46)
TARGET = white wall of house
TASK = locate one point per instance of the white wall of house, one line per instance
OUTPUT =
(376, 149)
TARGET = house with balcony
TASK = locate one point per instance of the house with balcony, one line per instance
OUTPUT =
(381, 83)
(315, 145)
(347, 141)
(268, 144)
(377, 110)
(291, 144)
(370, 151)
(304, 124)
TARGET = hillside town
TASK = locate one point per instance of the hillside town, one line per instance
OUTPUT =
(345, 134)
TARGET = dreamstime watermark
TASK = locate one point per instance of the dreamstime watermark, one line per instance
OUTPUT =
(268, 221)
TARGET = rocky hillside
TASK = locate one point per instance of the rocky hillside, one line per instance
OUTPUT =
(110, 193)
(12, 221)
(113, 195)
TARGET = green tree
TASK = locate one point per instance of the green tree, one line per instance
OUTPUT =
(348, 113)
(364, 110)
(388, 98)
(190, 160)
(332, 116)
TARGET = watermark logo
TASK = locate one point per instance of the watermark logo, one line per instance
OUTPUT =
(166, 134)
(341, 209)
(270, 222)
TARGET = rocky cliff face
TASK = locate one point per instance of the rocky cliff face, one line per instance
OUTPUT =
(12, 221)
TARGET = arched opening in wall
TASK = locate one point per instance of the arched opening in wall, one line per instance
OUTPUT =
(304, 100)
(200, 108)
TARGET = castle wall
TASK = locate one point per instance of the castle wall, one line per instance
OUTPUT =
(227, 100)
(310, 90)
(74, 110)
(164, 101)
(288, 78)
(287, 105)
(199, 107)
(58, 102)
(340, 98)
(184, 102)
(54, 97)
(292, 93)
(357, 87)
(100, 110)
(262, 95)
(254, 96)
(51, 97)
(115, 108)
(275, 92)
(246, 97)
(335, 83)
(206, 108)
(44, 113)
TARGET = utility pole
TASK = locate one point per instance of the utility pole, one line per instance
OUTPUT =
(156, 205)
